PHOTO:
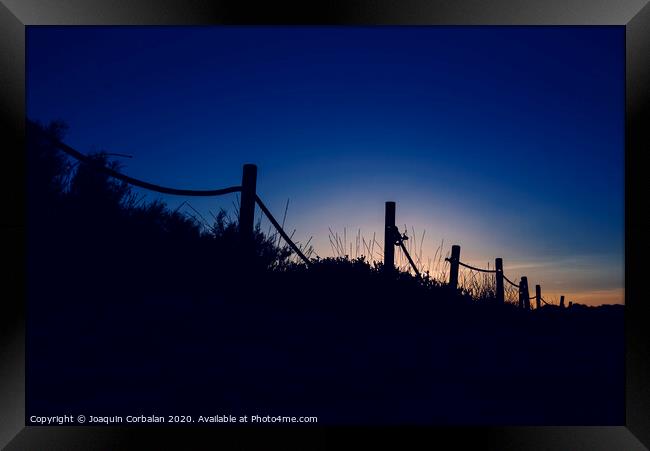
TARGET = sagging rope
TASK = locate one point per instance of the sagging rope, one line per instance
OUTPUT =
(472, 267)
(510, 281)
(139, 183)
(177, 192)
(408, 256)
(476, 269)
(398, 240)
(282, 233)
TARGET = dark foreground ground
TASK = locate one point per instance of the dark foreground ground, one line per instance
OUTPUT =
(344, 356)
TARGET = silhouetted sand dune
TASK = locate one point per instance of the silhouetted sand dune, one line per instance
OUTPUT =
(133, 310)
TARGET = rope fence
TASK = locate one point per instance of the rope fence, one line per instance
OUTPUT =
(282, 233)
(478, 282)
(481, 283)
(400, 242)
(473, 268)
(139, 183)
(510, 281)
(183, 192)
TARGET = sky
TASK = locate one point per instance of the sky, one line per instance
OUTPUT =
(508, 141)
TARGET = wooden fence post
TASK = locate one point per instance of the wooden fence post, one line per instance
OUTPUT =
(247, 203)
(561, 301)
(389, 238)
(526, 294)
(498, 264)
(453, 267)
(538, 296)
(524, 299)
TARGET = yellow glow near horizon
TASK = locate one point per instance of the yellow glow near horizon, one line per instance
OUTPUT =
(543, 273)
(590, 279)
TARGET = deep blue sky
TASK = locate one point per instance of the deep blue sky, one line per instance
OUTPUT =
(506, 140)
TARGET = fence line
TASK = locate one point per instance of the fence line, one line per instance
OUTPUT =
(513, 292)
(279, 229)
(476, 269)
(510, 281)
(188, 192)
(392, 235)
(477, 284)
(400, 242)
(139, 183)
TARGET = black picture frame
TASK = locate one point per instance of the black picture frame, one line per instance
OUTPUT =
(15, 15)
